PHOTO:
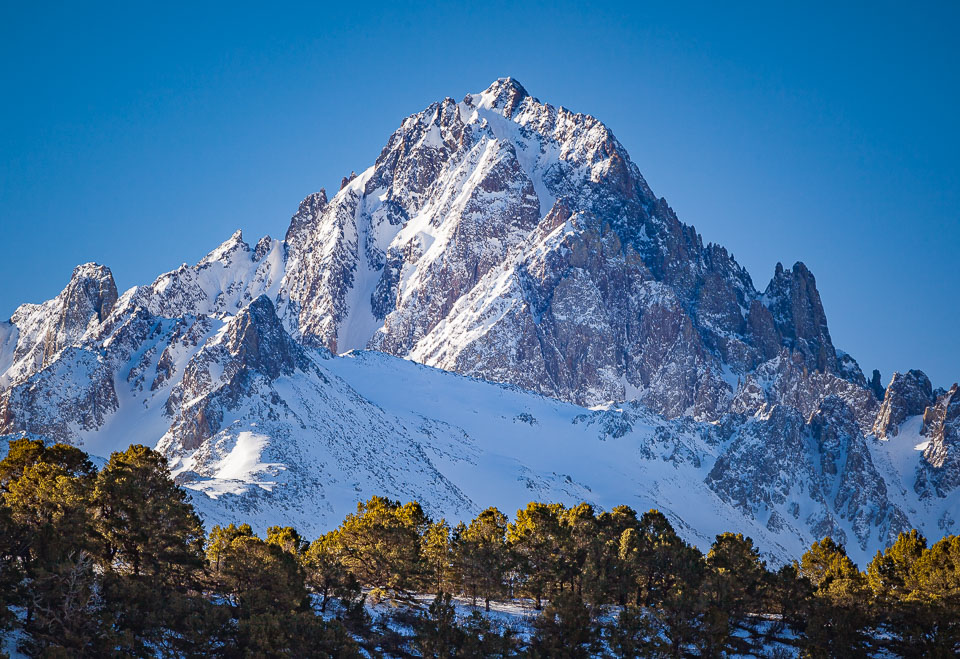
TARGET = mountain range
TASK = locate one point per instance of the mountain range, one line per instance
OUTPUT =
(498, 310)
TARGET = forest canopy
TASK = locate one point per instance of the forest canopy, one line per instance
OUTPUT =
(86, 555)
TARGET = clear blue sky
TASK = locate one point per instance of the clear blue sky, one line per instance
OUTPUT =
(141, 136)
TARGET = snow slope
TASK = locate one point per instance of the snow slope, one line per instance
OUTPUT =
(506, 241)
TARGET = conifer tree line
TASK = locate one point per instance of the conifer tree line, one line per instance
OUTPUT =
(115, 562)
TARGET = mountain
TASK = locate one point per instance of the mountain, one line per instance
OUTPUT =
(594, 347)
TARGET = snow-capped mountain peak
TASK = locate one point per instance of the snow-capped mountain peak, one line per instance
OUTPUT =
(505, 240)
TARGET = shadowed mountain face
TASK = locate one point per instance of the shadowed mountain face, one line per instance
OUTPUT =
(516, 242)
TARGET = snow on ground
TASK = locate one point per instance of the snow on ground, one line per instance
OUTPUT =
(898, 459)
(523, 447)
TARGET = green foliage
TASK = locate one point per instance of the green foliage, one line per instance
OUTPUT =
(273, 634)
(648, 552)
(12, 539)
(115, 563)
(287, 538)
(480, 551)
(891, 573)
(636, 632)
(144, 519)
(565, 630)
(614, 578)
(837, 616)
(483, 639)
(219, 542)
(436, 552)
(23, 453)
(327, 573)
(261, 577)
(46, 549)
(581, 560)
(917, 593)
(734, 587)
(438, 634)
(380, 543)
(535, 539)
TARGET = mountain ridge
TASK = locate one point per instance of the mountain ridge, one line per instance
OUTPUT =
(508, 240)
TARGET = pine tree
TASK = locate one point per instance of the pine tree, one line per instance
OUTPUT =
(147, 525)
(678, 593)
(300, 634)
(483, 639)
(534, 538)
(436, 632)
(565, 630)
(891, 573)
(734, 587)
(260, 577)
(219, 541)
(481, 555)
(12, 546)
(615, 581)
(381, 543)
(648, 553)
(636, 632)
(46, 500)
(928, 619)
(326, 573)
(582, 548)
(837, 617)
(436, 550)
(287, 538)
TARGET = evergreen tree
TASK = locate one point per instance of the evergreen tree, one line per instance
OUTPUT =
(381, 543)
(151, 550)
(147, 525)
(734, 588)
(46, 500)
(615, 581)
(300, 634)
(483, 639)
(938, 571)
(636, 632)
(582, 551)
(23, 453)
(436, 550)
(436, 632)
(12, 546)
(326, 573)
(534, 538)
(260, 577)
(218, 543)
(678, 593)
(565, 629)
(287, 538)
(837, 618)
(891, 573)
(648, 553)
(927, 619)
(481, 554)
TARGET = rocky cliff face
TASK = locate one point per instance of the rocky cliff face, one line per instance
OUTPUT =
(908, 394)
(509, 239)
(939, 474)
(37, 333)
(516, 242)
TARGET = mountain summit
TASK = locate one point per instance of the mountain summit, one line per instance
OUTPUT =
(508, 239)
(514, 242)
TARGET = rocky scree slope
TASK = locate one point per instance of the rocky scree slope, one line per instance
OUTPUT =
(515, 242)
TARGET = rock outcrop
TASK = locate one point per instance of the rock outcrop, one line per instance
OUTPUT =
(908, 394)
(940, 472)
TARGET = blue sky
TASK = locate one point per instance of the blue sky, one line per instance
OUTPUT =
(141, 136)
